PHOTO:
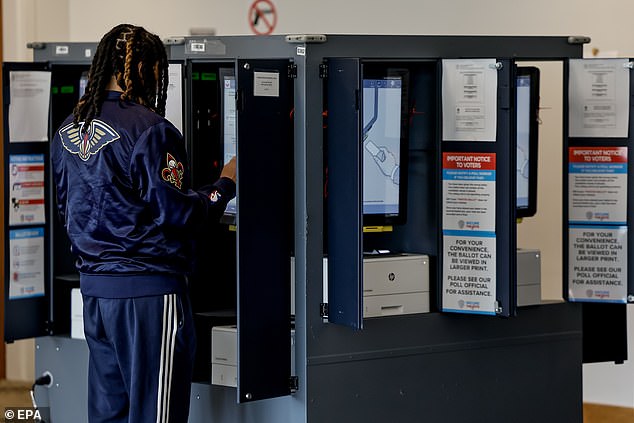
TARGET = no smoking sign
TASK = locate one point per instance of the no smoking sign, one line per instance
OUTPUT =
(262, 17)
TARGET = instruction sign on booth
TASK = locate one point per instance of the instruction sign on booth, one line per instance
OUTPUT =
(469, 239)
(597, 216)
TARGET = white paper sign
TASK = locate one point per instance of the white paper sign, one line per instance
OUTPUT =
(266, 84)
(469, 191)
(469, 100)
(599, 94)
(597, 185)
(26, 189)
(26, 263)
(30, 95)
(469, 284)
(597, 269)
(174, 105)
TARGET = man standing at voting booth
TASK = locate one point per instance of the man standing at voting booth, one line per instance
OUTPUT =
(121, 176)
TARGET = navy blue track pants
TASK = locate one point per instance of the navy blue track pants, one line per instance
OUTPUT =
(141, 358)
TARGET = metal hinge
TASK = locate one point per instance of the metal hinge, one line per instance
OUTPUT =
(323, 309)
(293, 383)
(578, 39)
(36, 45)
(323, 71)
(292, 71)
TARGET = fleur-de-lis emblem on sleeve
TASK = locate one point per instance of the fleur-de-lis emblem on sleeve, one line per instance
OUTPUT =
(174, 171)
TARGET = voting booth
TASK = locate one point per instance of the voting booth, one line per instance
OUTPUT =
(368, 269)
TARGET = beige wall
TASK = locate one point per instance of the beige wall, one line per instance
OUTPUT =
(87, 20)
(32, 20)
(607, 22)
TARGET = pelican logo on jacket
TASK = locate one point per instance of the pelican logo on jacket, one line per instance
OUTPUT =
(87, 143)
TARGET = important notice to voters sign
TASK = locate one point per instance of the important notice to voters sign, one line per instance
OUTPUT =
(597, 178)
(597, 224)
(469, 240)
(469, 191)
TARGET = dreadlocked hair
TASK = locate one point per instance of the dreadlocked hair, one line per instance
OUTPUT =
(138, 60)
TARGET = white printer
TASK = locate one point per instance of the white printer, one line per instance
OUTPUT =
(393, 284)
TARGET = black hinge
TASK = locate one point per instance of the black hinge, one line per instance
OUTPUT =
(323, 309)
(293, 383)
(323, 71)
(292, 71)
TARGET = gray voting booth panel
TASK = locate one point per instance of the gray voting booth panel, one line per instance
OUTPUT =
(66, 399)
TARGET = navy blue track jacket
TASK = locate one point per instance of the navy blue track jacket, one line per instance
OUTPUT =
(123, 195)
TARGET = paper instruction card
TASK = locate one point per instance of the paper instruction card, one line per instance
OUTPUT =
(469, 100)
(30, 96)
(599, 98)
(174, 105)
(266, 84)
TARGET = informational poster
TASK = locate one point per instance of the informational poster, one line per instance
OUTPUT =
(597, 218)
(26, 263)
(26, 189)
(599, 94)
(597, 266)
(597, 180)
(174, 105)
(469, 191)
(469, 239)
(469, 97)
(30, 95)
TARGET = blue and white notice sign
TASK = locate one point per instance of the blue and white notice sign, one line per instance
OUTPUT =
(597, 224)
(469, 239)
(26, 263)
(597, 185)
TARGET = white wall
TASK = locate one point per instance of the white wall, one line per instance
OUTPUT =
(607, 22)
